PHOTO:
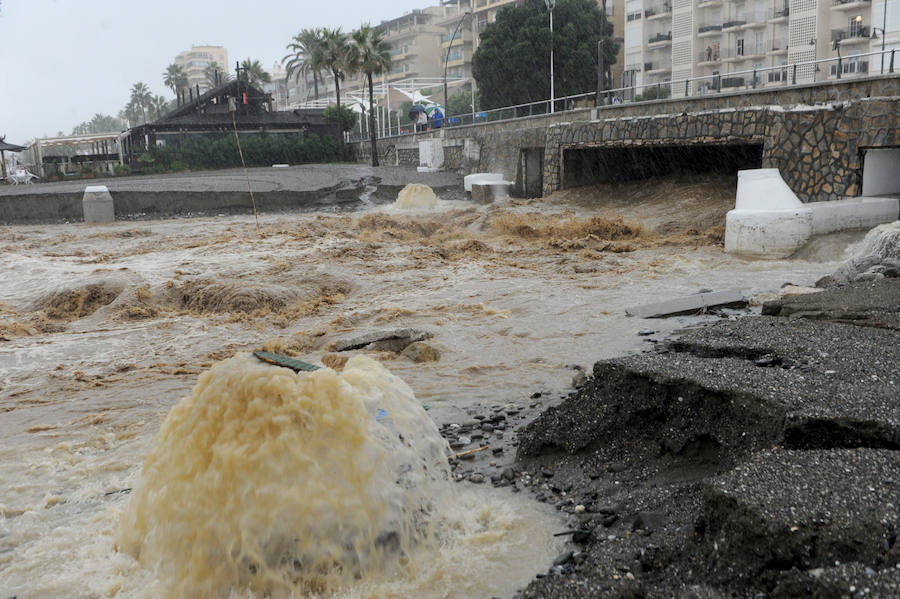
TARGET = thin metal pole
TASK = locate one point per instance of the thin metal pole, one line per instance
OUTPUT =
(599, 71)
(883, 34)
(447, 59)
(552, 96)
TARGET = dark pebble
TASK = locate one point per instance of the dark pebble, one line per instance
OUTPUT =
(564, 558)
(535, 395)
(547, 472)
(617, 467)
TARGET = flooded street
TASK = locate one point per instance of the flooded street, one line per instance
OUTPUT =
(104, 328)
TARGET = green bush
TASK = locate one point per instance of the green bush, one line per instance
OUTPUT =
(200, 152)
(350, 118)
(121, 170)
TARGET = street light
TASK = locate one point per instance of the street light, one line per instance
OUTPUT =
(551, 4)
(883, 35)
(447, 60)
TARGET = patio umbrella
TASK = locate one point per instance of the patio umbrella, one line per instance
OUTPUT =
(4, 147)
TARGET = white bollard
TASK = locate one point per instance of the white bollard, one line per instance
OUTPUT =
(97, 205)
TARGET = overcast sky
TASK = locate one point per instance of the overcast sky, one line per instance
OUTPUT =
(64, 60)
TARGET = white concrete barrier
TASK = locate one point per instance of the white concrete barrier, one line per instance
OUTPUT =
(853, 213)
(97, 205)
(481, 179)
(768, 221)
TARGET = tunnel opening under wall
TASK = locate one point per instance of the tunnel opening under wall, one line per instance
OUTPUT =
(881, 171)
(592, 165)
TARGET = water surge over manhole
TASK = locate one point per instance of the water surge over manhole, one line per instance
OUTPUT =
(272, 483)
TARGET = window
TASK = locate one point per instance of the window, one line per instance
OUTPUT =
(760, 42)
(739, 51)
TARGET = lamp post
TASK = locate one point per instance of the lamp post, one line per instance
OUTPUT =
(881, 29)
(447, 59)
(551, 4)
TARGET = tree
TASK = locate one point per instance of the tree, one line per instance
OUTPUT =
(306, 56)
(335, 47)
(512, 63)
(212, 71)
(141, 98)
(175, 78)
(348, 120)
(461, 103)
(254, 73)
(159, 105)
(370, 54)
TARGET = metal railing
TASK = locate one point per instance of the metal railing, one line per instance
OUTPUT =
(777, 77)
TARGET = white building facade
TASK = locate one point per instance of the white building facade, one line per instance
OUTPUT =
(730, 45)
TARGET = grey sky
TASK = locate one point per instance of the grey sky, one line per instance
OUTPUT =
(64, 60)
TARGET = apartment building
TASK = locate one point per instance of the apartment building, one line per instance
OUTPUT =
(195, 61)
(742, 43)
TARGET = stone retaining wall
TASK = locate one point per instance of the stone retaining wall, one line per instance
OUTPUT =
(814, 134)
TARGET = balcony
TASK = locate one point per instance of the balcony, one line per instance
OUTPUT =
(850, 4)
(780, 15)
(709, 30)
(709, 57)
(851, 35)
(658, 12)
(777, 47)
(660, 39)
(733, 25)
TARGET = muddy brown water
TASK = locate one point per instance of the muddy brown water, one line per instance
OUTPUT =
(106, 327)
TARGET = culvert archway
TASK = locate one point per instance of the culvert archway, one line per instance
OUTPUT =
(612, 164)
(881, 171)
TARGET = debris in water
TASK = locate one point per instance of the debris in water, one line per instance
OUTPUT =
(280, 482)
(689, 304)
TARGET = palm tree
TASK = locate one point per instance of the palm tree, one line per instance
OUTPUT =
(141, 98)
(160, 105)
(175, 78)
(254, 72)
(210, 73)
(306, 56)
(371, 54)
(335, 49)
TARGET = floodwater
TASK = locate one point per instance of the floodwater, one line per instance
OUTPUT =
(105, 328)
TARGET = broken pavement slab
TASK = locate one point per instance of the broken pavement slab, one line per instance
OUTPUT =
(395, 340)
(823, 385)
(690, 304)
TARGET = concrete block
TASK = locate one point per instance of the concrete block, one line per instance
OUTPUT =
(767, 234)
(487, 193)
(431, 154)
(472, 151)
(97, 205)
(689, 304)
(853, 213)
(768, 221)
(482, 178)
